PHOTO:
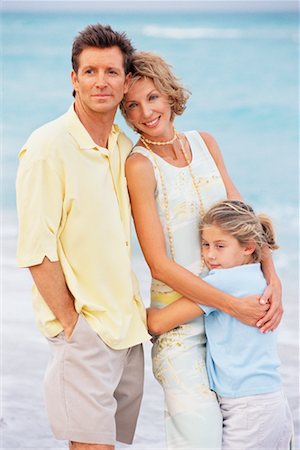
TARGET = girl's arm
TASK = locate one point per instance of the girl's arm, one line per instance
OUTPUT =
(141, 185)
(162, 320)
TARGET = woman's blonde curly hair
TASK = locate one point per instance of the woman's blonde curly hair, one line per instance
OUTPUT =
(152, 66)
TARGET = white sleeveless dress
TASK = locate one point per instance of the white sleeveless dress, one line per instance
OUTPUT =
(192, 415)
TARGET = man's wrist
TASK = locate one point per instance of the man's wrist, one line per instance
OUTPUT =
(69, 320)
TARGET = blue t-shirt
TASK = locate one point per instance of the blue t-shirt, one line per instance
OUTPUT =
(241, 360)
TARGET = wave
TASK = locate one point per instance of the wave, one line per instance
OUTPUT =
(216, 33)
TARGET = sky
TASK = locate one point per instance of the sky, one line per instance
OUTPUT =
(259, 5)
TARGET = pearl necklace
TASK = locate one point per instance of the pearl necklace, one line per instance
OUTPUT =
(165, 195)
(148, 141)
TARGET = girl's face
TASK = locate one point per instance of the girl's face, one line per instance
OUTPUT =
(221, 250)
(148, 110)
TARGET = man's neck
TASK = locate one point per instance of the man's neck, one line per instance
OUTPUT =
(98, 125)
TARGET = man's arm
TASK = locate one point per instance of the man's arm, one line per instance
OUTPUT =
(50, 281)
(40, 197)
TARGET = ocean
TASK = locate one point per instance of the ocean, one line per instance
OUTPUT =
(242, 70)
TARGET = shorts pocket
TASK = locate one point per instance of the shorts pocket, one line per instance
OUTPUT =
(61, 337)
(82, 333)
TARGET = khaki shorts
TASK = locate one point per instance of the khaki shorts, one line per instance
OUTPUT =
(93, 393)
(260, 422)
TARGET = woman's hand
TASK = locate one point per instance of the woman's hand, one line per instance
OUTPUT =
(264, 312)
(249, 310)
(272, 296)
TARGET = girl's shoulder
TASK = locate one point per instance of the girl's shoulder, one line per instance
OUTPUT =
(239, 281)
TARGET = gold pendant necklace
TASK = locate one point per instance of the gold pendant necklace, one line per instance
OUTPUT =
(165, 195)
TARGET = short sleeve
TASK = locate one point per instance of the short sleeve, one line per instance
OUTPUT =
(215, 279)
(207, 309)
(39, 203)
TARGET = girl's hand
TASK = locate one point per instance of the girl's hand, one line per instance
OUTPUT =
(272, 318)
(152, 320)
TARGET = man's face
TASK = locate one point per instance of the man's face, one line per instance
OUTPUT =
(100, 82)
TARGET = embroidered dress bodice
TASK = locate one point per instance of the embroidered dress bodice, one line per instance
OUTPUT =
(184, 208)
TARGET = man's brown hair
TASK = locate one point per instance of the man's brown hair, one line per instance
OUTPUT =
(101, 36)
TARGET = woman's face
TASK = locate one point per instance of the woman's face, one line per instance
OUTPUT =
(148, 110)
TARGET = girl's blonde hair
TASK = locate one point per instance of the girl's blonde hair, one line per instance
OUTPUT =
(152, 66)
(240, 221)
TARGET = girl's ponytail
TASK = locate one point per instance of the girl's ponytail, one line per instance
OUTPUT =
(238, 219)
(268, 231)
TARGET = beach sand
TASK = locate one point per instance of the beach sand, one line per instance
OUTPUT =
(24, 423)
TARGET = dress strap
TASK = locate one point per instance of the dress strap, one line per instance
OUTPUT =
(142, 151)
(197, 144)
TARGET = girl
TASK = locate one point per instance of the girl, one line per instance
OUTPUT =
(241, 362)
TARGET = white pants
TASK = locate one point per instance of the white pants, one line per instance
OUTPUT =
(257, 422)
(192, 415)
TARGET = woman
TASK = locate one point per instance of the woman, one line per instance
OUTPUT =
(173, 178)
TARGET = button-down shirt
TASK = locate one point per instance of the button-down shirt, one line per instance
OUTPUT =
(73, 207)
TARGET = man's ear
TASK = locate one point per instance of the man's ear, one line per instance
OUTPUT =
(127, 82)
(74, 79)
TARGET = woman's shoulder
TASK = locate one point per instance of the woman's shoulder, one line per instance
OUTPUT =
(139, 155)
(208, 138)
(205, 143)
(138, 160)
(138, 150)
(210, 144)
(203, 137)
(139, 172)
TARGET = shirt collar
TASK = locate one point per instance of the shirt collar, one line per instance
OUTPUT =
(83, 138)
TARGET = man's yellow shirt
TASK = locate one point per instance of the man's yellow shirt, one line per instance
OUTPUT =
(73, 207)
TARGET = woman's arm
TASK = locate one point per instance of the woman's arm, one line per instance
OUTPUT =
(273, 292)
(211, 143)
(162, 320)
(141, 185)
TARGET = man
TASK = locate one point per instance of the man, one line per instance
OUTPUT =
(74, 235)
